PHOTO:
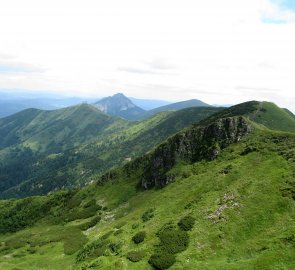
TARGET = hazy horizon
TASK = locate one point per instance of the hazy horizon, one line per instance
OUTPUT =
(219, 52)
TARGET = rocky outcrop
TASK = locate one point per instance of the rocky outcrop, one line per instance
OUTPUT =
(192, 145)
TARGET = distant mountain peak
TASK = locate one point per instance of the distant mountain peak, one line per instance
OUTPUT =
(119, 105)
(121, 95)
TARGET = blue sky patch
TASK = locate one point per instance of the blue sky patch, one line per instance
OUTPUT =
(285, 4)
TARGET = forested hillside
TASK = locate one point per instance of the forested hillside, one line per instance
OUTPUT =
(44, 151)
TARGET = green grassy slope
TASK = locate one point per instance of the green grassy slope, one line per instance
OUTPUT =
(85, 163)
(264, 113)
(273, 117)
(230, 204)
(242, 204)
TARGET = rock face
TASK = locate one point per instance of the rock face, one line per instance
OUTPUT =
(119, 105)
(192, 145)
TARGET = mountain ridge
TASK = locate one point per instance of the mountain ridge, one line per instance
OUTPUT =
(229, 204)
(78, 160)
(246, 116)
(263, 113)
(108, 150)
(174, 107)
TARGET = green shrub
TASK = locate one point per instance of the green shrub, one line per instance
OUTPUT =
(135, 256)
(82, 214)
(147, 215)
(139, 237)
(167, 226)
(92, 250)
(186, 223)
(16, 215)
(162, 260)
(86, 225)
(89, 203)
(173, 241)
(73, 202)
(115, 247)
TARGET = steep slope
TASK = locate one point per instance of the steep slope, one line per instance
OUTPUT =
(119, 105)
(227, 209)
(33, 135)
(80, 165)
(175, 107)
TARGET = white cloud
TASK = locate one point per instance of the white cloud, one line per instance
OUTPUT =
(218, 51)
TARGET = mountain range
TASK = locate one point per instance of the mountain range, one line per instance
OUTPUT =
(64, 144)
(121, 106)
(185, 188)
(116, 105)
(15, 101)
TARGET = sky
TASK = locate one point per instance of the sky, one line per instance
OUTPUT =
(221, 52)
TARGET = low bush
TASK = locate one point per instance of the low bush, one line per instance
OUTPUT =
(82, 214)
(92, 250)
(162, 260)
(186, 223)
(167, 226)
(135, 256)
(89, 203)
(73, 202)
(91, 223)
(115, 247)
(173, 241)
(139, 237)
(147, 215)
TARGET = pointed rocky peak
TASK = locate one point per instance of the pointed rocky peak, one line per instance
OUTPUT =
(119, 105)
